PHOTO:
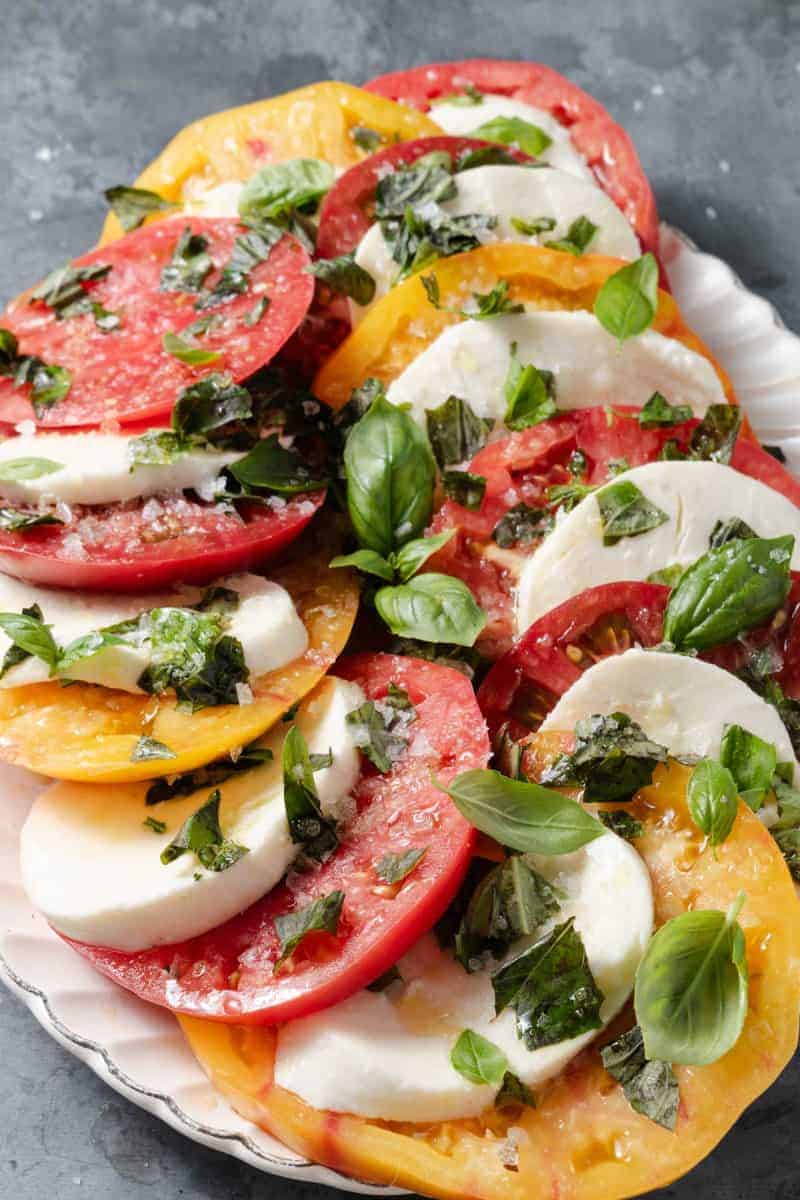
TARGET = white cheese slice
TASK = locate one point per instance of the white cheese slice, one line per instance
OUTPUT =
(507, 192)
(694, 495)
(471, 360)
(95, 468)
(265, 622)
(462, 120)
(222, 200)
(93, 868)
(387, 1055)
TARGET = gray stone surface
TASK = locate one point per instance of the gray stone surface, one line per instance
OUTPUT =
(89, 92)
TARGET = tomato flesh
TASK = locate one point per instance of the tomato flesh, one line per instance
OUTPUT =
(126, 375)
(229, 974)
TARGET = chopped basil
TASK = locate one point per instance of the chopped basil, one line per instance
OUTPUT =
(366, 139)
(731, 530)
(715, 437)
(521, 525)
(307, 825)
(513, 131)
(712, 800)
(786, 830)
(523, 816)
(530, 394)
(155, 825)
(105, 320)
(157, 448)
(249, 250)
(344, 275)
(650, 1085)
(478, 1059)
(691, 992)
(191, 653)
(380, 729)
(514, 1092)
(577, 238)
(455, 432)
(613, 758)
(186, 352)
(210, 405)
(202, 836)
(321, 916)
(276, 191)
(432, 608)
(63, 291)
(271, 467)
(568, 495)
(219, 599)
(460, 658)
(148, 748)
(425, 182)
(257, 311)
(14, 470)
(190, 263)
(494, 303)
(486, 156)
(385, 980)
(510, 902)
(535, 227)
(210, 776)
(617, 466)
(467, 98)
(393, 868)
(551, 989)
(626, 512)
(49, 384)
(751, 761)
(464, 488)
(658, 412)
(622, 823)
(14, 520)
(132, 205)
(627, 302)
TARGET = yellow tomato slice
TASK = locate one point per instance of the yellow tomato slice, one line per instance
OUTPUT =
(401, 325)
(84, 732)
(582, 1141)
(311, 122)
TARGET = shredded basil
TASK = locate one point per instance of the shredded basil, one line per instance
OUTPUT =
(307, 825)
(393, 868)
(366, 139)
(187, 352)
(658, 412)
(650, 1085)
(530, 394)
(278, 190)
(202, 836)
(380, 729)
(210, 776)
(510, 902)
(455, 432)
(190, 263)
(63, 291)
(626, 512)
(464, 488)
(622, 823)
(148, 748)
(494, 303)
(534, 227)
(132, 205)
(321, 916)
(613, 758)
(577, 238)
(521, 525)
(346, 276)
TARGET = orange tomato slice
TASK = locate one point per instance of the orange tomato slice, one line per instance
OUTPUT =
(582, 1141)
(313, 122)
(401, 325)
(84, 732)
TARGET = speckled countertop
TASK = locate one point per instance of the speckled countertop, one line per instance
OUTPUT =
(90, 92)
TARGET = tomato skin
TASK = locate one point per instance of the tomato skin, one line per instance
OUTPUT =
(345, 215)
(126, 375)
(604, 144)
(379, 924)
(210, 543)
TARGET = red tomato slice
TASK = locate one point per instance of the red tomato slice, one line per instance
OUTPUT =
(150, 544)
(346, 213)
(228, 974)
(604, 144)
(126, 375)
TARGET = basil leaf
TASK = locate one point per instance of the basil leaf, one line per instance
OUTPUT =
(513, 131)
(523, 816)
(14, 470)
(202, 836)
(514, 1092)
(30, 635)
(213, 773)
(409, 558)
(691, 987)
(464, 488)
(210, 404)
(486, 156)
(390, 477)
(321, 916)
(650, 1086)
(49, 384)
(578, 237)
(731, 530)
(105, 320)
(751, 761)
(786, 830)
(712, 800)
(425, 183)
(63, 292)
(521, 525)
(155, 825)
(715, 437)
(190, 653)
(510, 902)
(529, 394)
(308, 827)
(148, 748)
(185, 352)
(728, 591)
(432, 608)
(622, 824)
(380, 729)
(626, 512)
(568, 495)
(157, 448)
(535, 227)
(466, 99)
(494, 303)
(131, 205)
(393, 868)
(217, 599)
(275, 191)
(366, 139)
(478, 1059)
(257, 311)
(249, 250)
(271, 467)
(367, 561)
(455, 432)
(13, 520)
(426, 232)
(658, 412)
(190, 263)
(460, 658)
(627, 302)
(15, 653)
(613, 758)
(551, 989)
(345, 275)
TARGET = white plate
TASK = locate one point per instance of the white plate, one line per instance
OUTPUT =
(138, 1049)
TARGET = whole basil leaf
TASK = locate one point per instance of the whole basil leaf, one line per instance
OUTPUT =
(751, 761)
(432, 608)
(346, 276)
(275, 191)
(529, 394)
(691, 990)
(455, 432)
(271, 467)
(478, 1059)
(523, 816)
(131, 205)
(367, 561)
(513, 131)
(712, 800)
(650, 1086)
(308, 827)
(626, 512)
(409, 558)
(390, 478)
(321, 916)
(728, 591)
(30, 635)
(627, 302)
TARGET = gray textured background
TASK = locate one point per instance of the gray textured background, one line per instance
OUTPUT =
(89, 93)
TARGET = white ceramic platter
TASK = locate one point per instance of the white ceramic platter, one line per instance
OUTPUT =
(138, 1049)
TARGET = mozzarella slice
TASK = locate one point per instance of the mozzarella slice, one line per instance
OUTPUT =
(265, 622)
(511, 192)
(93, 868)
(95, 468)
(387, 1055)
(694, 495)
(463, 120)
(471, 360)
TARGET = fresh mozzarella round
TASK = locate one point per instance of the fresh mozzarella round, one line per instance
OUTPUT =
(464, 120)
(95, 468)
(93, 868)
(694, 496)
(265, 622)
(387, 1055)
(471, 360)
(219, 201)
(507, 192)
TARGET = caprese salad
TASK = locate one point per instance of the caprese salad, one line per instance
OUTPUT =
(406, 617)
